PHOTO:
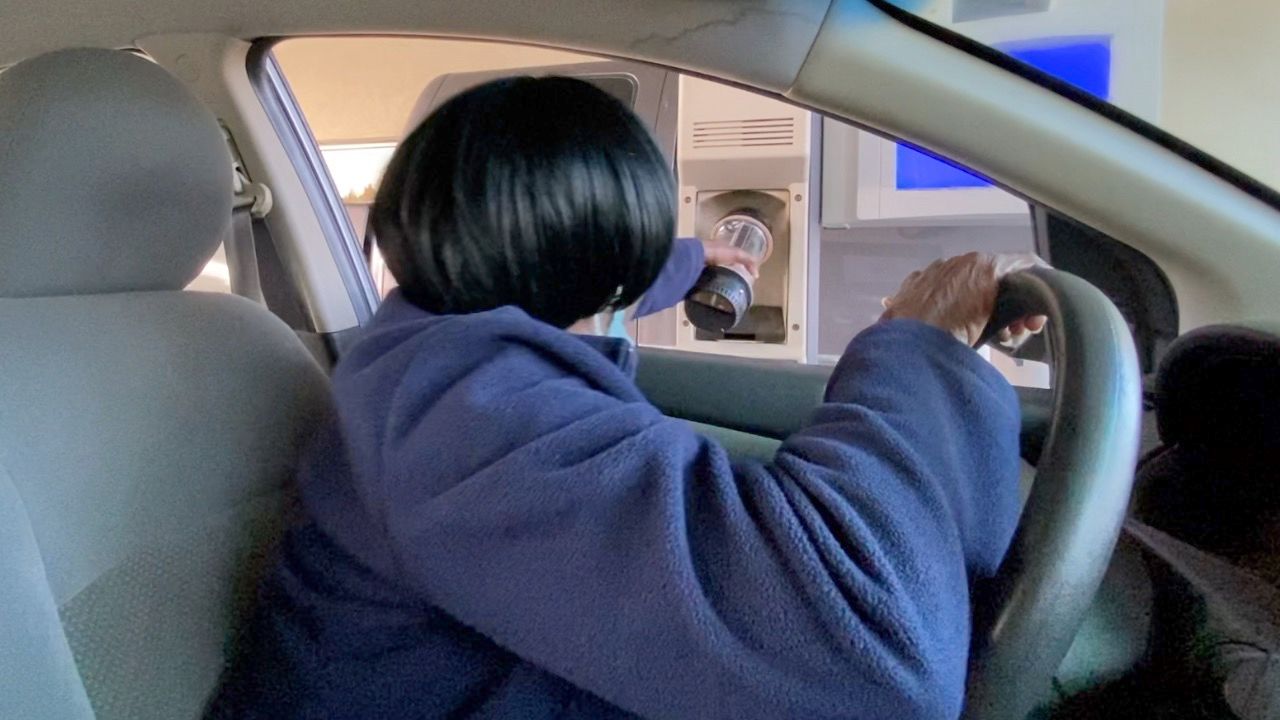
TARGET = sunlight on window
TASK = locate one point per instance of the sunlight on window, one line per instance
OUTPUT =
(357, 169)
(215, 277)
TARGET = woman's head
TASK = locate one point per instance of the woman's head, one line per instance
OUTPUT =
(543, 193)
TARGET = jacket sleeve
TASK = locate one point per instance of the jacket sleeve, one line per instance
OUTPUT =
(620, 550)
(677, 277)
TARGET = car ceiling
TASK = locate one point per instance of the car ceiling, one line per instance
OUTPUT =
(766, 41)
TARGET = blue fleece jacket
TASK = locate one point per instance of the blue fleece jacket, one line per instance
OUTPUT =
(681, 271)
(498, 525)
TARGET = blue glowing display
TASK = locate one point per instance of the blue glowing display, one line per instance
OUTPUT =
(1084, 62)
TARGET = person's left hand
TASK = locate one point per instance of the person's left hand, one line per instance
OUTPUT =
(727, 255)
(958, 295)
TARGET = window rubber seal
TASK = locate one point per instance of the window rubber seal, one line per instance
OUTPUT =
(281, 106)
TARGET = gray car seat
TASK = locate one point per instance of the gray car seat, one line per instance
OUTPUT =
(1214, 481)
(1213, 488)
(146, 433)
(1206, 518)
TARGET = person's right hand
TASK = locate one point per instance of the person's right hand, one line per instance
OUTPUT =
(958, 295)
(717, 254)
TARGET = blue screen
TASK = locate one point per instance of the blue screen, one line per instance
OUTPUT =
(1084, 62)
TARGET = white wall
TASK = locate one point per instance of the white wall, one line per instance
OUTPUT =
(361, 90)
(1222, 80)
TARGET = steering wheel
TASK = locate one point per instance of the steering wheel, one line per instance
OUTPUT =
(1029, 614)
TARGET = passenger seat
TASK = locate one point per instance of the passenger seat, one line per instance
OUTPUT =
(1206, 521)
(1214, 482)
(146, 434)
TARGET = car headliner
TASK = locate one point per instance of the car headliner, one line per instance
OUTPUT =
(764, 41)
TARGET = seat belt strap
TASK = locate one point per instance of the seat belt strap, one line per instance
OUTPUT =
(252, 202)
(242, 256)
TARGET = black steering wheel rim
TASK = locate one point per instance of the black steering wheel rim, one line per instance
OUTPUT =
(1029, 614)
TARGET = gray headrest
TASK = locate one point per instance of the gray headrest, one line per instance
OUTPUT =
(113, 177)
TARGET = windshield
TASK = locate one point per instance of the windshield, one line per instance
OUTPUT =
(1203, 70)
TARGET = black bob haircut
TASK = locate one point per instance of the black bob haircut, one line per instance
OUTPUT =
(543, 193)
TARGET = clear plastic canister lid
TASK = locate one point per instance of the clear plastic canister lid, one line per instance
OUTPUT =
(746, 232)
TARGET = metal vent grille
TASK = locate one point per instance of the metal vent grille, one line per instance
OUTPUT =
(756, 132)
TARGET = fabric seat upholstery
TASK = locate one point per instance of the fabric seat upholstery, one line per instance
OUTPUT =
(147, 434)
(1206, 519)
(1215, 480)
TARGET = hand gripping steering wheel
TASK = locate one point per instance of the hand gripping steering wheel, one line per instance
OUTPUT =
(1027, 617)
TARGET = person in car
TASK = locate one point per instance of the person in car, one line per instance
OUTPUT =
(497, 524)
